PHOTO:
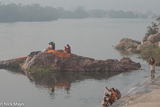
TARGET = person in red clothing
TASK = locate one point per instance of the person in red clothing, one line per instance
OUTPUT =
(68, 48)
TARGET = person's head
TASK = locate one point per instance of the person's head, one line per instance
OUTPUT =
(51, 43)
(112, 89)
(67, 44)
(151, 60)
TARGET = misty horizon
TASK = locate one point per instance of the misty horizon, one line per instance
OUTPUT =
(142, 6)
(36, 12)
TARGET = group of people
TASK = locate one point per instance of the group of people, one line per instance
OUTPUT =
(110, 96)
(67, 48)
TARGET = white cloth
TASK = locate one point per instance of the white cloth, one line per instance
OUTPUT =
(152, 67)
(106, 91)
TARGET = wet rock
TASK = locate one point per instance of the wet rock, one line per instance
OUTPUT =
(14, 64)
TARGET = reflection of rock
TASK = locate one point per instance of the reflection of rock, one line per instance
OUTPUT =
(64, 80)
(127, 45)
(46, 61)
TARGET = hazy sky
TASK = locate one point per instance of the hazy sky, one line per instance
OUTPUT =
(133, 5)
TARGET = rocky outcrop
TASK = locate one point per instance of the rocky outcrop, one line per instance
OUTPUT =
(74, 63)
(145, 44)
(149, 41)
(127, 45)
(154, 38)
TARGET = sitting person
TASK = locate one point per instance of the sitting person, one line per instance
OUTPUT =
(68, 48)
(107, 93)
(51, 45)
(110, 96)
(113, 96)
(104, 101)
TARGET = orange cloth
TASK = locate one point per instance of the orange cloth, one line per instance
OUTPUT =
(59, 54)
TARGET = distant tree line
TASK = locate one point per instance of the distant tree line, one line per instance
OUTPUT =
(35, 12)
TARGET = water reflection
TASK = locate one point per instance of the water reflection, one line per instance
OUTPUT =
(62, 80)
(152, 75)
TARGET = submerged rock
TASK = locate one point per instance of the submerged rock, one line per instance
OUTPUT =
(127, 45)
(39, 61)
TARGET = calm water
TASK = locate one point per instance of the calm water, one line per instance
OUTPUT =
(88, 37)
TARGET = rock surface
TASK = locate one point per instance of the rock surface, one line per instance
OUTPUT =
(154, 38)
(127, 45)
(74, 63)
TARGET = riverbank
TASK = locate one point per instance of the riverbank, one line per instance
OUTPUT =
(149, 47)
(146, 96)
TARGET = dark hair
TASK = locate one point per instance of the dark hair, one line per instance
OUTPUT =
(51, 43)
(151, 60)
(113, 89)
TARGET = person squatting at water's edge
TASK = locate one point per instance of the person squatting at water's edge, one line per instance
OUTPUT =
(110, 96)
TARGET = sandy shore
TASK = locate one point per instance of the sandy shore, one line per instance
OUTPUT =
(151, 99)
(147, 96)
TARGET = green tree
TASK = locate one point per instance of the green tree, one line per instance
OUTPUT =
(153, 29)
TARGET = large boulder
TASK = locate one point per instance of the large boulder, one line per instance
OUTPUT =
(127, 45)
(150, 40)
(74, 63)
(154, 38)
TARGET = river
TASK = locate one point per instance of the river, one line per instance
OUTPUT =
(88, 37)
